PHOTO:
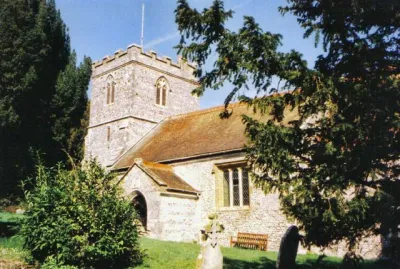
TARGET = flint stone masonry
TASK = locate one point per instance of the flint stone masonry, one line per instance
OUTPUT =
(134, 111)
(169, 216)
(136, 180)
(177, 216)
(264, 215)
(123, 134)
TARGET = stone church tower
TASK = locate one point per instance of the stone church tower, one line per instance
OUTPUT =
(132, 91)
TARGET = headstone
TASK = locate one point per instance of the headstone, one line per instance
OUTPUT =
(20, 211)
(210, 256)
(288, 249)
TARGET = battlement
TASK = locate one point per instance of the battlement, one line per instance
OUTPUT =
(134, 51)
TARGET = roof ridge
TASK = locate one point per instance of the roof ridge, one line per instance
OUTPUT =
(231, 105)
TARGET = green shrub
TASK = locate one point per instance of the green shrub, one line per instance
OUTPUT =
(79, 218)
(51, 263)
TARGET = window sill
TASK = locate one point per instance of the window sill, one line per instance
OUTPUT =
(235, 208)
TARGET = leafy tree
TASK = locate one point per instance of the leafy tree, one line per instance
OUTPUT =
(79, 218)
(34, 49)
(336, 167)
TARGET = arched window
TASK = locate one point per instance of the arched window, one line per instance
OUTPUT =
(161, 93)
(110, 90)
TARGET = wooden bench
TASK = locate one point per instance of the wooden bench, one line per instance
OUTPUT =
(248, 240)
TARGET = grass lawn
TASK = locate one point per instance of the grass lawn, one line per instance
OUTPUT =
(11, 252)
(10, 217)
(11, 248)
(9, 223)
(173, 255)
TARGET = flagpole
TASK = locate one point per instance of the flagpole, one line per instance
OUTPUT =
(142, 36)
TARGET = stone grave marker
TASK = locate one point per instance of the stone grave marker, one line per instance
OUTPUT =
(210, 256)
(288, 249)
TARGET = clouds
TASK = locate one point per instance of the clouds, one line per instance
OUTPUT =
(173, 35)
(243, 4)
(161, 40)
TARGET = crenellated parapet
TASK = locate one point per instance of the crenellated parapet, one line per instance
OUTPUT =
(131, 92)
(135, 53)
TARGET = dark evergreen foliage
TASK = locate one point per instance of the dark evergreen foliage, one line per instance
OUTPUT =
(336, 167)
(34, 49)
(70, 107)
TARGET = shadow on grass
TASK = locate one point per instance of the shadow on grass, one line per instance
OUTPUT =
(262, 262)
(266, 263)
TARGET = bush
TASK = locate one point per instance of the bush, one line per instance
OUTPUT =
(79, 218)
(51, 263)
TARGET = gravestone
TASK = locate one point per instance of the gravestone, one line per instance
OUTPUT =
(210, 256)
(288, 249)
(20, 211)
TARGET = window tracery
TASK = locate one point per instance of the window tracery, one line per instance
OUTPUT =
(110, 90)
(161, 91)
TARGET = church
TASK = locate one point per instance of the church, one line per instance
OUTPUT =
(175, 162)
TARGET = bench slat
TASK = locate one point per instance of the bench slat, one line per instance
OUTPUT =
(249, 240)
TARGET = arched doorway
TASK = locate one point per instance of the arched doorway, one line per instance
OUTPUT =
(139, 203)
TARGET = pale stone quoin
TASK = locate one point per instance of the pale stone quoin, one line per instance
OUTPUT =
(176, 163)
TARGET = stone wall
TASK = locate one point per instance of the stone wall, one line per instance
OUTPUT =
(370, 247)
(137, 180)
(178, 219)
(262, 216)
(107, 142)
(134, 74)
(170, 216)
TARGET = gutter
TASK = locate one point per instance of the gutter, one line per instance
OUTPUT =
(201, 156)
(193, 157)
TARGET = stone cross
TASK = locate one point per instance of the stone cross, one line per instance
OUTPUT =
(210, 256)
(288, 249)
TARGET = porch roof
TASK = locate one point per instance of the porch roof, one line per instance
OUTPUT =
(165, 177)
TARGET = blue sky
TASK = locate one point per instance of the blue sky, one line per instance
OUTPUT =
(100, 27)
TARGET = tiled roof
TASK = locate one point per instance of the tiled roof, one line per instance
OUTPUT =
(164, 176)
(195, 134)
